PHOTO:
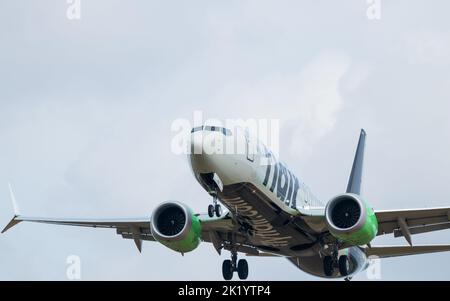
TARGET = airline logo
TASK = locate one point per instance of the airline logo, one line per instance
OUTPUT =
(283, 181)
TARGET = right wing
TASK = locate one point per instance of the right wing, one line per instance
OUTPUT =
(214, 230)
(217, 231)
(137, 229)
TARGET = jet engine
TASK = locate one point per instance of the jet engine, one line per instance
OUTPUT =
(174, 225)
(350, 219)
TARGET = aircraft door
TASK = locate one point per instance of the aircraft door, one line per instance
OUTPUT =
(250, 148)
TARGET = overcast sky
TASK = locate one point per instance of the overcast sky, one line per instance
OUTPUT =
(86, 107)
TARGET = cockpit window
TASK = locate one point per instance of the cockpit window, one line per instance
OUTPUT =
(224, 131)
(197, 129)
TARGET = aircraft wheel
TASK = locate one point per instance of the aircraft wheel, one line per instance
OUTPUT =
(218, 210)
(211, 210)
(227, 269)
(344, 265)
(328, 267)
(242, 269)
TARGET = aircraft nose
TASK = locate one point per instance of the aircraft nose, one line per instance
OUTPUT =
(196, 144)
(203, 159)
(198, 157)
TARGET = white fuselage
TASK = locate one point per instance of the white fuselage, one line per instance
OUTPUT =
(253, 185)
(249, 161)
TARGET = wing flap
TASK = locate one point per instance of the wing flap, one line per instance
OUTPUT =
(423, 229)
(413, 214)
(412, 221)
(415, 218)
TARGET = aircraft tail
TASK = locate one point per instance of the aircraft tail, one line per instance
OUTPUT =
(354, 182)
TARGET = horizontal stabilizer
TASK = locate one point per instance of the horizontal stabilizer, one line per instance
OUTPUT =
(395, 251)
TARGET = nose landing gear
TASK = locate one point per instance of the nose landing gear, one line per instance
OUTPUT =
(214, 208)
(233, 265)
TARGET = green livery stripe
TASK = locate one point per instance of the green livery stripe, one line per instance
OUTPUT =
(190, 241)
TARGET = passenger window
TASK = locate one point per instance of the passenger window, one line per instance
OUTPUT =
(226, 132)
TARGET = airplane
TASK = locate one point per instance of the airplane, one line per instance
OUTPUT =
(271, 212)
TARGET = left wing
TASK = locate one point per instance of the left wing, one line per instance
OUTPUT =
(412, 221)
(396, 251)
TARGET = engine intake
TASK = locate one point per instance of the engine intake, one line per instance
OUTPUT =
(350, 219)
(174, 225)
(171, 220)
(345, 212)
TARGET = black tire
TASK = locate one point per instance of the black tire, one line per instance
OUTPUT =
(227, 270)
(328, 267)
(211, 210)
(344, 265)
(218, 210)
(242, 269)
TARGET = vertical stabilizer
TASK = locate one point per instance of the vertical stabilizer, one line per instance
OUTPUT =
(354, 182)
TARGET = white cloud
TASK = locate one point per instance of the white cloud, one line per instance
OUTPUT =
(307, 102)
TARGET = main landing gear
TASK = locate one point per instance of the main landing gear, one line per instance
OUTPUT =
(332, 262)
(233, 265)
(214, 208)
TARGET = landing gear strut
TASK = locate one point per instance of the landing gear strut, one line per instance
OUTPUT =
(214, 208)
(233, 265)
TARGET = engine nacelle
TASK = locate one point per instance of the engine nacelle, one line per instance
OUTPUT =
(174, 225)
(350, 219)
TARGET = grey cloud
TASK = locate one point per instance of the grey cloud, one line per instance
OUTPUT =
(86, 108)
